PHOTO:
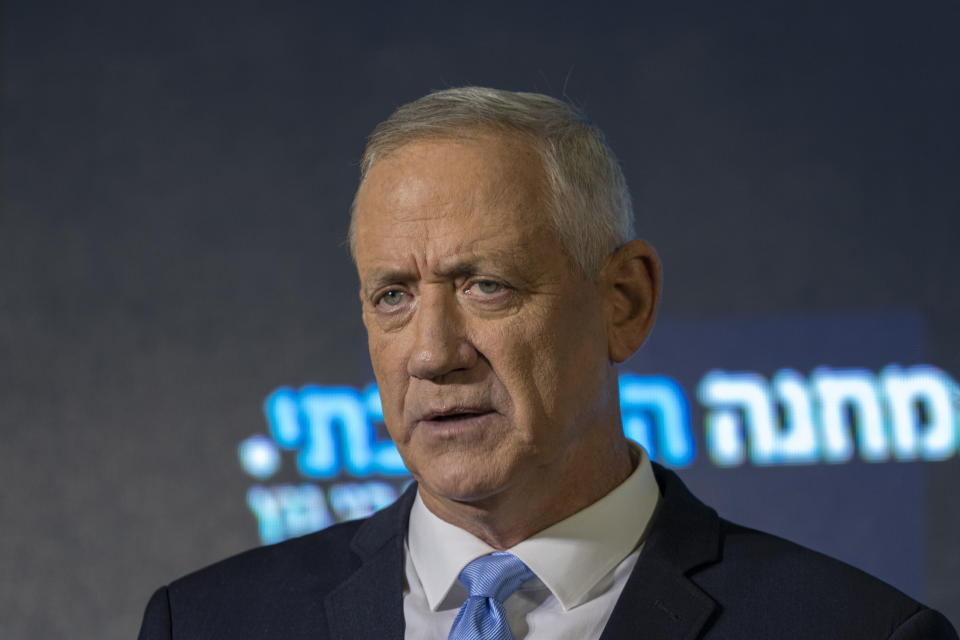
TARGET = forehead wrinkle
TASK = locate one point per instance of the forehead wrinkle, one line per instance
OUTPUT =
(416, 198)
(422, 200)
(382, 276)
(417, 263)
(458, 262)
(443, 231)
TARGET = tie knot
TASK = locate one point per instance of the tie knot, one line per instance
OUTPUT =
(496, 575)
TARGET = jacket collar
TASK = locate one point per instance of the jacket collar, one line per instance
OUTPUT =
(658, 601)
(369, 604)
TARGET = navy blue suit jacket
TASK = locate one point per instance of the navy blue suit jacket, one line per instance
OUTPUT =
(698, 576)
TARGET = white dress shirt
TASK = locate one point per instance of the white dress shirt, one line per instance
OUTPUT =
(581, 565)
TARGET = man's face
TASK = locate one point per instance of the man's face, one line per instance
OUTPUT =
(488, 344)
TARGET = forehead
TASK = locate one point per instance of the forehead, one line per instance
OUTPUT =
(451, 196)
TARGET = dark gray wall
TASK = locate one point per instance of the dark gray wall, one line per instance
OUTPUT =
(176, 178)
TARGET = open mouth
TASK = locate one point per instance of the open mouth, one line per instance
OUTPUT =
(454, 416)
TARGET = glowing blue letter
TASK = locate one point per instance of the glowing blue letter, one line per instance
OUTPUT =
(854, 391)
(324, 408)
(797, 442)
(664, 400)
(354, 500)
(738, 403)
(282, 409)
(910, 391)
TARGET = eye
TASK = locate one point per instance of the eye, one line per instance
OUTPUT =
(486, 287)
(391, 298)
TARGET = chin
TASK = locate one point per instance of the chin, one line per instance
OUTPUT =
(462, 484)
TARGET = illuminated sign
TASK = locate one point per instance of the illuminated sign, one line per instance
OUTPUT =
(902, 413)
(348, 471)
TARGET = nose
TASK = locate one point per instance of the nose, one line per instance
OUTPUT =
(440, 343)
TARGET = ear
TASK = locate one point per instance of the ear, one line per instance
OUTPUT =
(631, 289)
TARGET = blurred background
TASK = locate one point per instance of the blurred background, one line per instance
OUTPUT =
(183, 372)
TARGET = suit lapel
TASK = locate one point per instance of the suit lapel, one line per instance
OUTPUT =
(659, 600)
(369, 603)
(660, 604)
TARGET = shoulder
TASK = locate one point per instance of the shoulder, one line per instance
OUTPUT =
(764, 586)
(278, 591)
(755, 563)
(319, 560)
(274, 591)
(771, 583)
(320, 557)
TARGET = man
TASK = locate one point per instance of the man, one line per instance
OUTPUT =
(500, 285)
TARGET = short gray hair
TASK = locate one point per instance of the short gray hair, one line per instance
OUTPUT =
(590, 202)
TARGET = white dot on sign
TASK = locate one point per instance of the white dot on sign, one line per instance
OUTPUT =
(259, 456)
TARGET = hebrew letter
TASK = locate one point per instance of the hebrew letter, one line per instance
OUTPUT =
(662, 399)
(920, 398)
(359, 499)
(797, 442)
(304, 509)
(737, 403)
(266, 508)
(323, 408)
(849, 396)
(282, 409)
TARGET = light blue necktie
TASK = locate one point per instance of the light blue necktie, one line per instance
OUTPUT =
(489, 580)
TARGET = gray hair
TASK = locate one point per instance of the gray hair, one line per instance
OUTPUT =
(590, 202)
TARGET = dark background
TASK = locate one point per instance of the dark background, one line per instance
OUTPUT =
(176, 180)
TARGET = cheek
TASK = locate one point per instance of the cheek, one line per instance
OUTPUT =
(524, 357)
(556, 366)
(387, 350)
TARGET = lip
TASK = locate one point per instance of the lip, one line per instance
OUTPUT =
(456, 424)
(454, 413)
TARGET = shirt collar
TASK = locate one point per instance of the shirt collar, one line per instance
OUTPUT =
(569, 557)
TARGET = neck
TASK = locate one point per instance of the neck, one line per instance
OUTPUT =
(508, 517)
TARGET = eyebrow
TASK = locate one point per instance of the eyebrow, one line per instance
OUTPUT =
(381, 278)
(458, 267)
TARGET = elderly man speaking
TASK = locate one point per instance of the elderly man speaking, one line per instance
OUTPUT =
(501, 285)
